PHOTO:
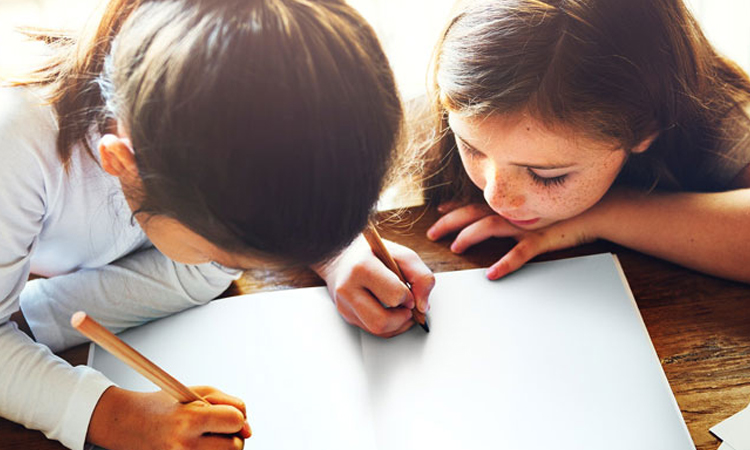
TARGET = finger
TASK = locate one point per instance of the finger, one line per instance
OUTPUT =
(457, 219)
(216, 397)
(203, 391)
(447, 207)
(416, 272)
(220, 419)
(526, 249)
(385, 285)
(374, 317)
(404, 328)
(481, 230)
(246, 431)
(220, 442)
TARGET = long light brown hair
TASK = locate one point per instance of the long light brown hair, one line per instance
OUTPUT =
(616, 70)
(265, 126)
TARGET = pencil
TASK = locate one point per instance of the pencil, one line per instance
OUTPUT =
(378, 248)
(127, 354)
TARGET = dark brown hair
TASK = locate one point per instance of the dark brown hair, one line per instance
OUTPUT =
(265, 126)
(615, 70)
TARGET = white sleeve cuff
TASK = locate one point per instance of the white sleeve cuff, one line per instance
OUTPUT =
(74, 426)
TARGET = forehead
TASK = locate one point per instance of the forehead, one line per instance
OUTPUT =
(520, 135)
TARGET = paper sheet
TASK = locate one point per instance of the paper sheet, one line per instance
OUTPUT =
(734, 431)
(287, 354)
(555, 356)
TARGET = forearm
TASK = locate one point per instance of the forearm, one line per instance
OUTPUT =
(133, 290)
(706, 232)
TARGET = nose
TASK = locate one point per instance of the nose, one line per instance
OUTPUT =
(502, 192)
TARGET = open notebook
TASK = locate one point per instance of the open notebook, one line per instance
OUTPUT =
(555, 356)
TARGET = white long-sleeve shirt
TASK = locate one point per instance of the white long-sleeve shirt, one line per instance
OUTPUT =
(74, 228)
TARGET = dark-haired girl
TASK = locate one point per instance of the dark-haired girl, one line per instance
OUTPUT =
(160, 152)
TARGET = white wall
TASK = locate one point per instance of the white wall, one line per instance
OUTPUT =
(407, 28)
(727, 25)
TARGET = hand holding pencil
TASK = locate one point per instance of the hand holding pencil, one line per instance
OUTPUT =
(381, 252)
(201, 417)
(370, 294)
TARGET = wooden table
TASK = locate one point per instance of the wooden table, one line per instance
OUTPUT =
(700, 325)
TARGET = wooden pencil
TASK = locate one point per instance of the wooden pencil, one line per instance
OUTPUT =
(130, 356)
(381, 252)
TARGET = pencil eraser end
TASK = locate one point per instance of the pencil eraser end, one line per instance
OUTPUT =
(77, 319)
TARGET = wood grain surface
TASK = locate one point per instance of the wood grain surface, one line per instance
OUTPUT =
(700, 325)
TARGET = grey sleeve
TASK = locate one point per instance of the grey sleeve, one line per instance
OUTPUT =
(129, 292)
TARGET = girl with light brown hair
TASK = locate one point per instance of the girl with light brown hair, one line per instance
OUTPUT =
(156, 155)
(566, 121)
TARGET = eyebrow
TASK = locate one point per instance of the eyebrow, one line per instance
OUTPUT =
(530, 166)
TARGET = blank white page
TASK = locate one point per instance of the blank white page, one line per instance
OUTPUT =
(287, 354)
(553, 357)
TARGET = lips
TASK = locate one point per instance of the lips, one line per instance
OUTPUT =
(522, 223)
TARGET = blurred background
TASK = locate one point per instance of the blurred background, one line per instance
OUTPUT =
(407, 28)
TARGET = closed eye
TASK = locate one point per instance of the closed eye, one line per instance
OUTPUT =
(558, 180)
(468, 150)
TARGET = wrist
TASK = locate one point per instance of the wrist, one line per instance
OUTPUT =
(111, 420)
(326, 268)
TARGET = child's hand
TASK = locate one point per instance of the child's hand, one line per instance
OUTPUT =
(130, 420)
(372, 297)
(477, 222)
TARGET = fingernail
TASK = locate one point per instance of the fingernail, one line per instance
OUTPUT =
(441, 208)
(492, 273)
(431, 234)
(455, 248)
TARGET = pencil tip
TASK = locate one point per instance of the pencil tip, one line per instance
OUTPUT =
(425, 326)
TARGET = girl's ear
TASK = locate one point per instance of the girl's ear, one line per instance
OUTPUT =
(117, 156)
(645, 144)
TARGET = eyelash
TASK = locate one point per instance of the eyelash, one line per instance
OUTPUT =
(470, 152)
(548, 181)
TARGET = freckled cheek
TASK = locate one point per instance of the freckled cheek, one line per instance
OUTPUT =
(558, 203)
(576, 198)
